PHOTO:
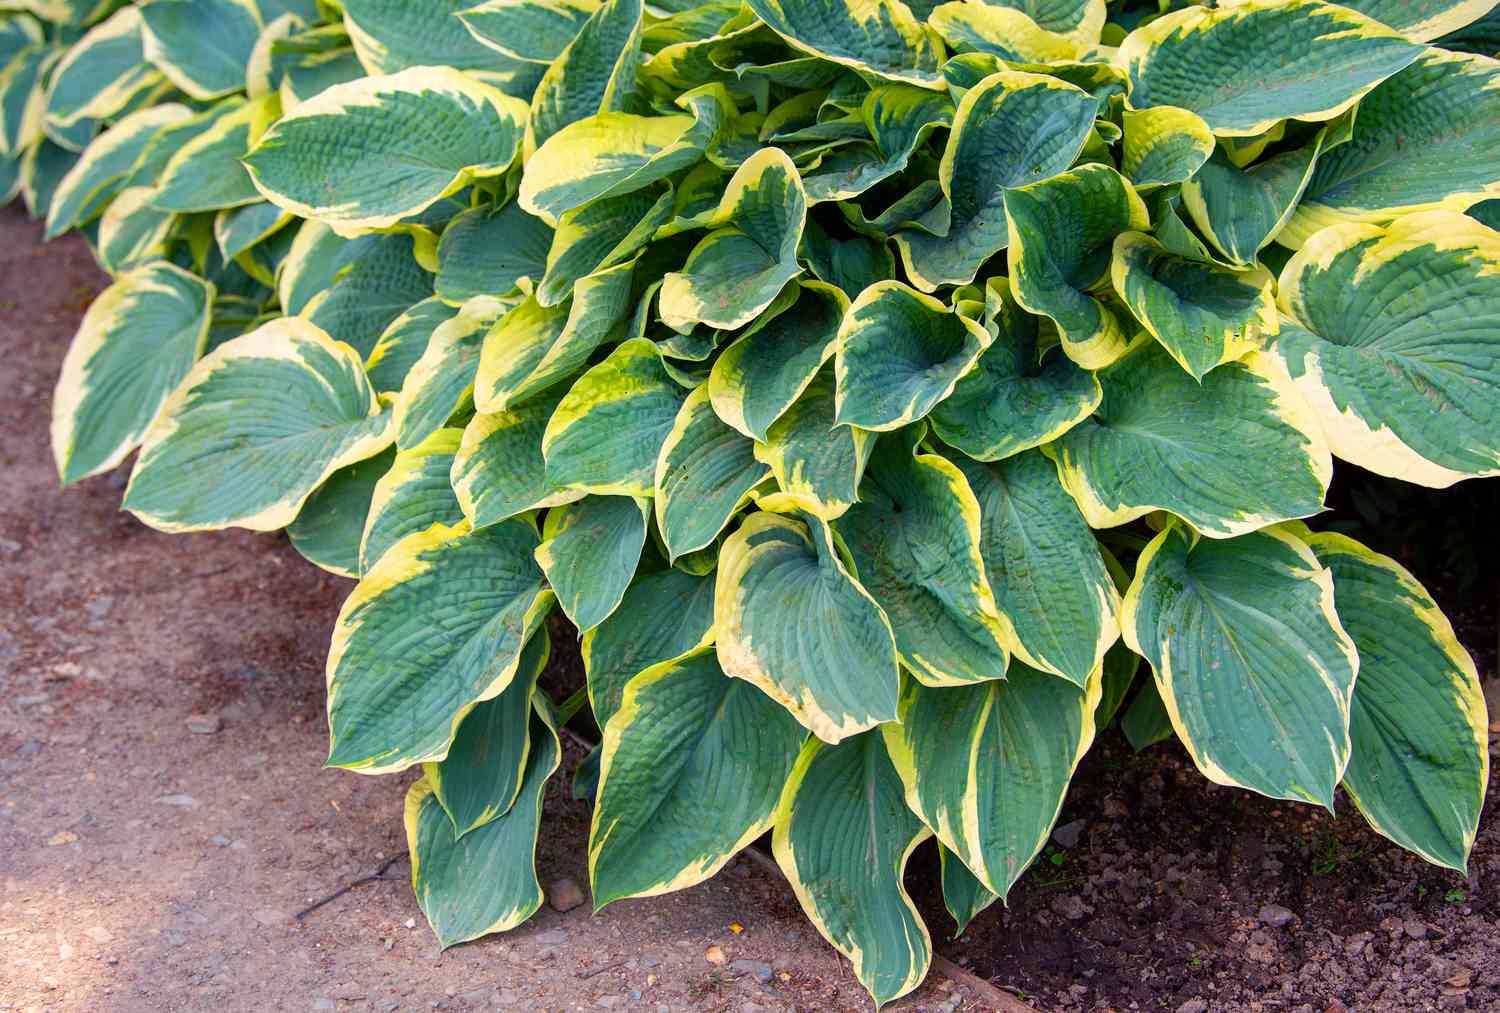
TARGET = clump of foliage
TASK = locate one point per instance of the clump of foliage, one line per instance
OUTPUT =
(872, 385)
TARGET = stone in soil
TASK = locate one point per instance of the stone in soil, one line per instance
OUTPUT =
(1275, 916)
(564, 895)
(204, 724)
(759, 968)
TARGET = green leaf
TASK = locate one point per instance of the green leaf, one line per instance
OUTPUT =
(132, 231)
(239, 230)
(434, 628)
(763, 372)
(1043, 566)
(1392, 336)
(442, 381)
(370, 283)
(987, 766)
(595, 72)
(813, 460)
(614, 153)
(790, 618)
(1203, 314)
(664, 615)
(371, 152)
(1164, 145)
(1419, 761)
(202, 46)
(738, 268)
(403, 341)
(101, 73)
(206, 173)
(1423, 20)
(1061, 235)
(1012, 129)
(998, 29)
(608, 430)
(900, 353)
(589, 552)
(533, 30)
(1018, 395)
(485, 769)
(963, 894)
(92, 183)
(499, 471)
(22, 102)
(1119, 671)
(485, 882)
(687, 740)
(1216, 62)
(328, 527)
(411, 496)
(1237, 452)
(704, 474)
(914, 537)
(253, 429)
(1146, 721)
(599, 235)
(491, 251)
(880, 37)
(1250, 659)
(842, 836)
(899, 118)
(137, 341)
(394, 35)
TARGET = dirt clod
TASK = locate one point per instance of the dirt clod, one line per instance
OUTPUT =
(564, 895)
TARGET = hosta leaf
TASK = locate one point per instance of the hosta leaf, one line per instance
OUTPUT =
(1011, 129)
(132, 230)
(239, 230)
(411, 496)
(589, 552)
(253, 429)
(615, 153)
(22, 103)
(881, 37)
(1202, 313)
(1119, 672)
(137, 341)
(394, 35)
(594, 73)
(987, 766)
(102, 72)
(900, 353)
(758, 377)
(533, 30)
(499, 470)
(1419, 761)
(206, 173)
(813, 459)
(97, 176)
(899, 118)
(1254, 668)
(485, 768)
(435, 627)
(1427, 139)
(1043, 566)
(599, 235)
(1061, 231)
(850, 264)
(842, 836)
(403, 341)
(963, 894)
(663, 615)
(486, 881)
(687, 741)
(370, 152)
(1423, 20)
(202, 46)
(1146, 721)
(43, 169)
(491, 251)
(1237, 452)
(1216, 62)
(608, 430)
(737, 269)
(442, 380)
(1164, 145)
(1080, 20)
(1392, 336)
(1240, 210)
(791, 619)
(533, 346)
(999, 29)
(703, 475)
(1015, 397)
(328, 527)
(914, 536)
(18, 32)
(369, 283)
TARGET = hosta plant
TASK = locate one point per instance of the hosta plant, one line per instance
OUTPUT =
(871, 386)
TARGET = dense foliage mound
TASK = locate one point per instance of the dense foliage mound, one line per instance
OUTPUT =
(871, 384)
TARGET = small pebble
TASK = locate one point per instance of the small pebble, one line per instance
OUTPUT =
(715, 955)
(759, 968)
(1193, 1006)
(99, 934)
(204, 724)
(1415, 929)
(1275, 915)
(181, 801)
(61, 837)
(1068, 835)
(552, 937)
(324, 1004)
(564, 895)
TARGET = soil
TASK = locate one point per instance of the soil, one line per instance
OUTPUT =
(147, 866)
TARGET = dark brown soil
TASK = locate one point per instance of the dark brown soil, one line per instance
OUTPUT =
(145, 867)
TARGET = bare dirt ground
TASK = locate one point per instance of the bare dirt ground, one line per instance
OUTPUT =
(145, 866)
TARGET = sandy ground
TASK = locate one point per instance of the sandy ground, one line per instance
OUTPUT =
(144, 866)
